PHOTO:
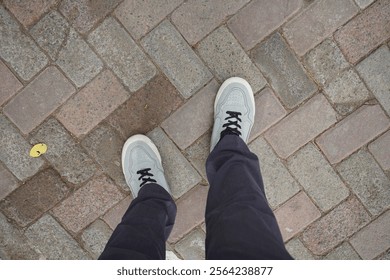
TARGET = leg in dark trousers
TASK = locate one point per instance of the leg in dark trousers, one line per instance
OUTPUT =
(239, 221)
(145, 227)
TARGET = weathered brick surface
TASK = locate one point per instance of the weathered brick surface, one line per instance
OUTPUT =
(114, 216)
(297, 250)
(379, 147)
(95, 238)
(8, 182)
(9, 84)
(198, 152)
(364, 3)
(192, 247)
(343, 252)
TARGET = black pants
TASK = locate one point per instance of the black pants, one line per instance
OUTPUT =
(239, 222)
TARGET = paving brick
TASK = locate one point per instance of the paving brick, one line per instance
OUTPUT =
(353, 132)
(105, 145)
(295, 215)
(285, 73)
(190, 212)
(374, 239)
(92, 104)
(63, 153)
(364, 3)
(14, 152)
(365, 32)
(375, 71)
(95, 238)
(9, 84)
(146, 108)
(140, 16)
(192, 247)
(343, 252)
(278, 183)
(34, 198)
(367, 180)
(122, 54)
(87, 203)
(317, 177)
(325, 61)
(50, 33)
(85, 14)
(226, 58)
(14, 245)
(38, 100)
(195, 19)
(176, 59)
(29, 11)
(343, 221)
(18, 50)
(378, 148)
(301, 126)
(194, 118)
(198, 152)
(47, 234)
(171, 256)
(298, 251)
(317, 22)
(260, 18)
(114, 216)
(8, 182)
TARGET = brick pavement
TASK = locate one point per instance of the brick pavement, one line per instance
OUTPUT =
(82, 76)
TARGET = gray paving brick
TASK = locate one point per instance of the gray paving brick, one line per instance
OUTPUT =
(47, 234)
(379, 150)
(317, 177)
(343, 252)
(226, 58)
(19, 50)
(325, 61)
(63, 153)
(278, 183)
(285, 73)
(298, 251)
(9, 84)
(122, 54)
(375, 71)
(198, 152)
(173, 162)
(169, 255)
(14, 152)
(367, 180)
(95, 237)
(176, 59)
(192, 247)
(364, 3)
(8, 182)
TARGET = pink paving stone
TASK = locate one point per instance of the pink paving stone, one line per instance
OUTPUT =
(374, 239)
(194, 118)
(296, 214)
(87, 203)
(301, 126)
(9, 84)
(114, 216)
(317, 22)
(92, 104)
(353, 132)
(365, 32)
(39, 99)
(260, 18)
(190, 212)
(333, 228)
(380, 149)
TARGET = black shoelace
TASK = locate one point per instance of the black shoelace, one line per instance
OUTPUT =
(145, 172)
(232, 125)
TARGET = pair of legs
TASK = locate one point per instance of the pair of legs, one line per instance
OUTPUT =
(239, 222)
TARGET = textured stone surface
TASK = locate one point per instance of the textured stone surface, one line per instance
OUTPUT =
(8, 182)
(317, 22)
(38, 100)
(301, 126)
(379, 148)
(92, 104)
(64, 154)
(115, 214)
(364, 3)
(365, 32)
(367, 180)
(375, 71)
(212, 13)
(95, 238)
(198, 152)
(35, 197)
(353, 132)
(298, 251)
(87, 203)
(194, 118)
(317, 177)
(343, 252)
(47, 234)
(278, 183)
(176, 59)
(9, 84)
(17, 49)
(281, 67)
(14, 152)
(122, 54)
(169, 255)
(192, 247)
(140, 16)
(272, 14)
(146, 108)
(343, 221)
